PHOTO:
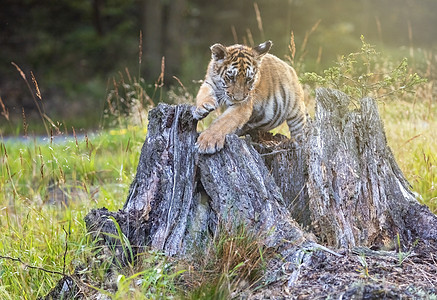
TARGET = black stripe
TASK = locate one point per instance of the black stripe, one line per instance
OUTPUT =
(295, 106)
(275, 110)
(256, 117)
(283, 93)
(221, 71)
(296, 124)
(285, 101)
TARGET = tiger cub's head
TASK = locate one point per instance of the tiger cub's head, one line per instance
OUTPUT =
(236, 68)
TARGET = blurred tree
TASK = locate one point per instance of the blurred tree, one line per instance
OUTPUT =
(97, 16)
(164, 36)
(73, 47)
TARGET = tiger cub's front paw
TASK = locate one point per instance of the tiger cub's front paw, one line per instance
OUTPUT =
(203, 110)
(210, 142)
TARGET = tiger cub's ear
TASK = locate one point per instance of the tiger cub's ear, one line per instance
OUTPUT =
(218, 52)
(263, 48)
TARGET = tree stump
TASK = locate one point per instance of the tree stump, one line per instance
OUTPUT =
(358, 196)
(179, 199)
(341, 184)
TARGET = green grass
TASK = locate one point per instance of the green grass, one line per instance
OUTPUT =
(48, 186)
(411, 133)
(46, 189)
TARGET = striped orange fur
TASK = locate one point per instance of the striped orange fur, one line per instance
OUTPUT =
(259, 90)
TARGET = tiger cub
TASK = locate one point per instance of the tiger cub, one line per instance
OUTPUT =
(260, 92)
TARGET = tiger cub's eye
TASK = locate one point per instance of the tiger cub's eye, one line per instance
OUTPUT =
(230, 75)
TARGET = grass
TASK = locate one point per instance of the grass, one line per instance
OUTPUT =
(48, 185)
(233, 263)
(410, 128)
(46, 189)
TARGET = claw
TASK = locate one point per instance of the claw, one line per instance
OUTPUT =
(210, 107)
(206, 150)
(203, 110)
(208, 143)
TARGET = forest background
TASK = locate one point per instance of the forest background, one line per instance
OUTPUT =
(78, 50)
(71, 132)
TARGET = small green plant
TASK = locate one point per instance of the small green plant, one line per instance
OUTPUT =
(364, 268)
(153, 277)
(364, 73)
(125, 244)
(402, 256)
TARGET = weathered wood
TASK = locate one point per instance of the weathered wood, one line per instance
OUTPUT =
(179, 208)
(287, 163)
(358, 194)
(164, 188)
(341, 182)
(243, 192)
(163, 194)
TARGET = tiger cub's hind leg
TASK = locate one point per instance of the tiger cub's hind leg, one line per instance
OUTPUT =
(296, 125)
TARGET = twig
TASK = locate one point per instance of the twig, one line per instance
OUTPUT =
(276, 152)
(31, 267)
(180, 83)
(426, 276)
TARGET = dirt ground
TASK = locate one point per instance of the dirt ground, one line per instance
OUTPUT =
(363, 274)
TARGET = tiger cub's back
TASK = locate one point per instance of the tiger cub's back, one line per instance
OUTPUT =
(278, 97)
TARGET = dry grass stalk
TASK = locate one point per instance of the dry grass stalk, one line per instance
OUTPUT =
(128, 75)
(259, 20)
(308, 34)
(160, 81)
(410, 38)
(5, 111)
(42, 163)
(250, 37)
(379, 28)
(180, 83)
(234, 34)
(19, 70)
(35, 83)
(43, 116)
(140, 54)
(319, 55)
(75, 137)
(25, 125)
(292, 47)
(54, 126)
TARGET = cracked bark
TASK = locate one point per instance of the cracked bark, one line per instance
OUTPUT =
(342, 185)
